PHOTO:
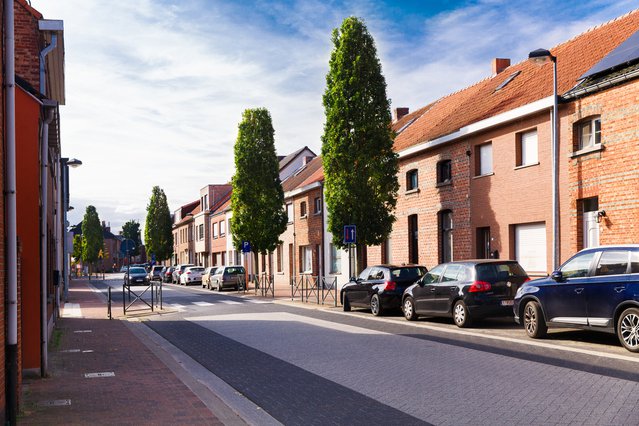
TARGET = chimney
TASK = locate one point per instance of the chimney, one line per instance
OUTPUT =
(399, 112)
(500, 64)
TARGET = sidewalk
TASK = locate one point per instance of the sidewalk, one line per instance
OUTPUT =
(141, 390)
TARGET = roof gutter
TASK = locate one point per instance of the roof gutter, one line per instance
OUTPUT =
(303, 189)
(600, 86)
(482, 125)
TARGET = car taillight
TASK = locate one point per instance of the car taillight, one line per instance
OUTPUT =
(390, 285)
(479, 286)
(188, 273)
(527, 279)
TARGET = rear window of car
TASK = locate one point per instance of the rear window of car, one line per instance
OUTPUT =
(235, 271)
(497, 271)
(196, 269)
(137, 271)
(408, 273)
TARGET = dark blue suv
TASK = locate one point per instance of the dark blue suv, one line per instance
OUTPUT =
(596, 289)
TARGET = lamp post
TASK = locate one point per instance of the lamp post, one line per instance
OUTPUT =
(66, 163)
(540, 57)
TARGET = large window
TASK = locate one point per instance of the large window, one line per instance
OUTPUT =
(289, 212)
(307, 259)
(446, 235)
(527, 151)
(280, 254)
(303, 209)
(444, 171)
(411, 180)
(588, 133)
(336, 260)
(484, 159)
(317, 203)
(215, 230)
(222, 228)
(200, 232)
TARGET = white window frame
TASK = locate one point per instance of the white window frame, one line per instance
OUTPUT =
(215, 230)
(307, 260)
(528, 148)
(485, 159)
(222, 228)
(290, 212)
(336, 260)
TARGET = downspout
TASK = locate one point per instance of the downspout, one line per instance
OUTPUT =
(323, 251)
(10, 194)
(44, 240)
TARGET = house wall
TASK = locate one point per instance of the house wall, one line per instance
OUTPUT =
(201, 245)
(218, 244)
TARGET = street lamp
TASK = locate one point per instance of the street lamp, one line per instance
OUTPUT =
(540, 57)
(66, 163)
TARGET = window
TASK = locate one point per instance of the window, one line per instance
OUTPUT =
(527, 152)
(303, 209)
(451, 272)
(433, 275)
(413, 242)
(318, 205)
(279, 258)
(307, 259)
(222, 228)
(289, 212)
(484, 159)
(411, 180)
(444, 171)
(446, 235)
(613, 262)
(200, 233)
(578, 266)
(589, 133)
(215, 229)
(336, 260)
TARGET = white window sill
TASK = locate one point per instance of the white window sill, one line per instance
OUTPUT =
(588, 150)
(483, 176)
(524, 166)
(412, 191)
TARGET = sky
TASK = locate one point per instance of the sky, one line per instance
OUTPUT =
(155, 89)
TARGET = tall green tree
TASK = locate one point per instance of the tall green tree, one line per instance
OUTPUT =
(77, 247)
(360, 166)
(158, 234)
(131, 230)
(92, 237)
(257, 199)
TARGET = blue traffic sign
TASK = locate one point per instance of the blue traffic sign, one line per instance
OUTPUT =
(350, 234)
(246, 247)
(127, 246)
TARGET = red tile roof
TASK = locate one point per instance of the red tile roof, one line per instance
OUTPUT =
(481, 100)
(310, 173)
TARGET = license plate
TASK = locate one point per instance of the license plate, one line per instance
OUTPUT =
(507, 302)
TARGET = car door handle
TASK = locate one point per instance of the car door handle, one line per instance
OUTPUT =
(432, 289)
(579, 290)
(620, 289)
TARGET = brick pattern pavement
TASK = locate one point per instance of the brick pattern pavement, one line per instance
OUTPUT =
(143, 390)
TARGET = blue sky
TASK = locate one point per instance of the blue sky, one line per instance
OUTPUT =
(156, 88)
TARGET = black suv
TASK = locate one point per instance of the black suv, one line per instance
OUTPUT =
(380, 287)
(596, 289)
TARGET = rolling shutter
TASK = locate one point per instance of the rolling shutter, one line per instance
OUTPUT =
(530, 247)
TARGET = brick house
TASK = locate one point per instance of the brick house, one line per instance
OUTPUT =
(475, 166)
(210, 196)
(219, 227)
(183, 224)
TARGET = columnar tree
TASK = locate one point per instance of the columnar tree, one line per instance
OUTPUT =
(92, 237)
(131, 231)
(258, 199)
(360, 166)
(158, 234)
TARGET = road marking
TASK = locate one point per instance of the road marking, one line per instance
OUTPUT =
(288, 317)
(55, 403)
(71, 310)
(258, 302)
(100, 374)
(83, 331)
(177, 306)
(70, 351)
(504, 339)
(230, 302)
(203, 303)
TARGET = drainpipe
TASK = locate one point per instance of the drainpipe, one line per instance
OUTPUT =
(323, 251)
(10, 194)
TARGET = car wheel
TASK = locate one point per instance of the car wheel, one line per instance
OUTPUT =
(461, 316)
(219, 286)
(346, 305)
(534, 322)
(628, 329)
(409, 309)
(376, 306)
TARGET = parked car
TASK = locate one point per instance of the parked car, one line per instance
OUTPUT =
(191, 275)
(167, 274)
(124, 268)
(227, 276)
(178, 271)
(206, 276)
(380, 287)
(155, 273)
(136, 276)
(596, 289)
(465, 290)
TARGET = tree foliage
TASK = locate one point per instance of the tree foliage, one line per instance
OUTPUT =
(131, 231)
(257, 199)
(77, 247)
(92, 237)
(360, 166)
(158, 234)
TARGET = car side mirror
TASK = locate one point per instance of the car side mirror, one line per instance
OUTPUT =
(420, 282)
(557, 276)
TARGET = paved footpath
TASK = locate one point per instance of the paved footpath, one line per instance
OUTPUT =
(143, 389)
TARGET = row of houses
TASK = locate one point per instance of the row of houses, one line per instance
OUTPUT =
(34, 178)
(476, 172)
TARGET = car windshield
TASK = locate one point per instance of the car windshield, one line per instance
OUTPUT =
(196, 269)
(137, 271)
(234, 271)
(497, 271)
(408, 273)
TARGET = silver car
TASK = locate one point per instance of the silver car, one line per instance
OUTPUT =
(191, 275)
(227, 276)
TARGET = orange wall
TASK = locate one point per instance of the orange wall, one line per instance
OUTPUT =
(28, 222)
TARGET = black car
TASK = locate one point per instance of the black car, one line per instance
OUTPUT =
(166, 275)
(380, 287)
(136, 275)
(465, 290)
(596, 289)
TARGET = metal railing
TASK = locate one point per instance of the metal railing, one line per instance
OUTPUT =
(155, 290)
(311, 288)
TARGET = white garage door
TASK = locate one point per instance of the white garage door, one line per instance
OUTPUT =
(530, 246)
